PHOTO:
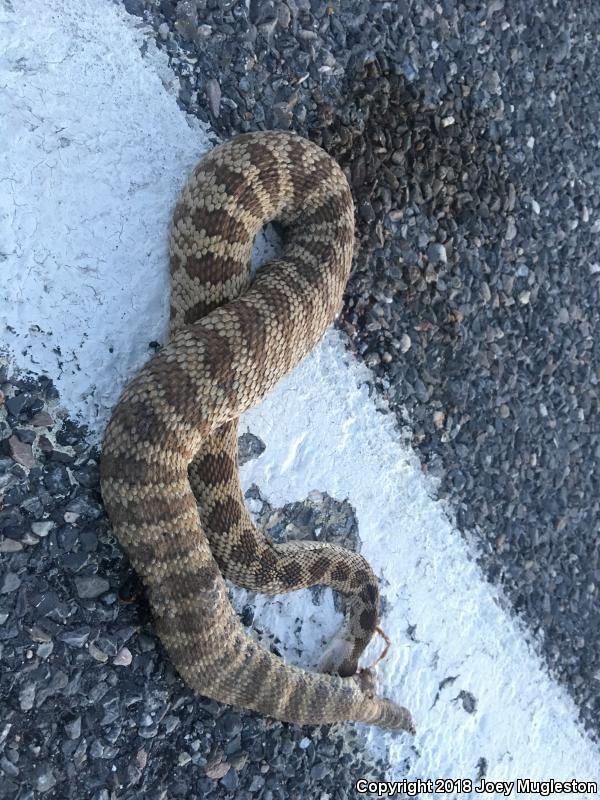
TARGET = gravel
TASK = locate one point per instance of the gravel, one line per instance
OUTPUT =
(91, 706)
(469, 134)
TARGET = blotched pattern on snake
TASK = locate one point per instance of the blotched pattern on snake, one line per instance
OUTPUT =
(169, 471)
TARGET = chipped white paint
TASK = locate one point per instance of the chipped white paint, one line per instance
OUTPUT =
(93, 150)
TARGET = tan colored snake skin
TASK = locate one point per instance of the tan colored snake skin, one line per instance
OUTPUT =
(169, 468)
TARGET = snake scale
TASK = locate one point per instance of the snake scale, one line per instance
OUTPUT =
(169, 474)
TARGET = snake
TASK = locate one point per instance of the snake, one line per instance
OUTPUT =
(169, 471)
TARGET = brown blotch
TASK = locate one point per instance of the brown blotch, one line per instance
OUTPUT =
(267, 561)
(257, 669)
(298, 696)
(191, 583)
(369, 594)
(218, 357)
(224, 516)
(219, 222)
(175, 382)
(252, 327)
(138, 418)
(155, 510)
(137, 471)
(319, 568)
(290, 573)
(245, 551)
(368, 620)
(197, 311)
(212, 267)
(214, 469)
(360, 577)
(340, 573)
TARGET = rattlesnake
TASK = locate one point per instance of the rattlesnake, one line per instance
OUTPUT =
(169, 474)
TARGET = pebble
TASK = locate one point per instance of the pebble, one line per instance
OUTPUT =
(21, 452)
(123, 657)
(408, 132)
(91, 586)
(43, 527)
(10, 546)
(10, 583)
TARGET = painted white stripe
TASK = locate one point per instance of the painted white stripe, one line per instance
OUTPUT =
(331, 437)
(93, 150)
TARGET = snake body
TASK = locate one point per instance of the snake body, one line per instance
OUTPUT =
(169, 474)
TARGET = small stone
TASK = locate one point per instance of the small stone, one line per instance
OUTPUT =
(439, 417)
(21, 452)
(27, 697)
(42, 420)
(73, 728)
(15, 405)
(25, 435)
(504, 411)
(10, 583)
(171, 722)
(123, 658)
(43, 778)
(511, 231)
(44, 649)
(9, 769)
(10, 546)
(304, 743)
(91, 586)
(71, 517)
(524, 297)
(43, 527)
(213, 94)
(230, 780)
(230, 723)
(469, 701)
(76, 638)
(405, 343)
(256, 784)
(183, 759)
(217, 771)
(249, 447)
(436, 253)
(318, 771)
(97, 654)
(134, 6)
(283, 16)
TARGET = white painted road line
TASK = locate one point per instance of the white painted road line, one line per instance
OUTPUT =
(93, 150)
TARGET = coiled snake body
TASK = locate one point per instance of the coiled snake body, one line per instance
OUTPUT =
(169, 473)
